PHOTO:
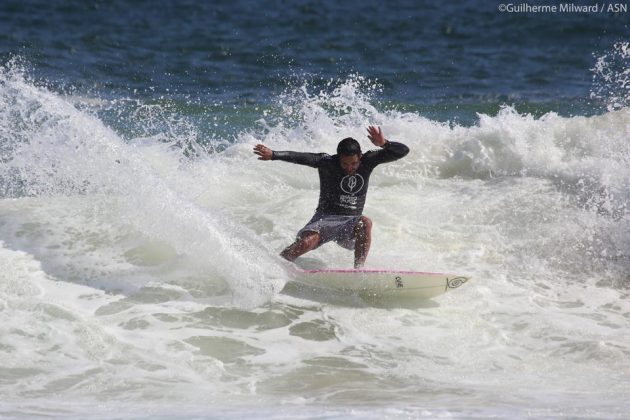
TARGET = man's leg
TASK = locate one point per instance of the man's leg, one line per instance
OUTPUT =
(307, 242)
(363, 240)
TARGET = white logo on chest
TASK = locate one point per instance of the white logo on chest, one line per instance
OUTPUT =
(352, 184)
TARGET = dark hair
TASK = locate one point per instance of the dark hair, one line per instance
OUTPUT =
(348, 147)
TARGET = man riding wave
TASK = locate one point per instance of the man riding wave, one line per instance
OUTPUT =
(344, 179)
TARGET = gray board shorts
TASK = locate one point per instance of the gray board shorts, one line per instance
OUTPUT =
(332, 227)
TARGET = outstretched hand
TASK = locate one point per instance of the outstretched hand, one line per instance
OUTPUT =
(376, 136)
(263, 152)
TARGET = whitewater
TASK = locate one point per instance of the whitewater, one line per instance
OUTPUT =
(138, 279)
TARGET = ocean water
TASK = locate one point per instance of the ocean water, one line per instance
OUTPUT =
(139, 275)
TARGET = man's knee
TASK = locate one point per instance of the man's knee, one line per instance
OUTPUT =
(365, 224)
(363, 227)
(306, 242)
(309, 240)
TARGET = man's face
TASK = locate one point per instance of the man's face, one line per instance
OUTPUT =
(349, 164)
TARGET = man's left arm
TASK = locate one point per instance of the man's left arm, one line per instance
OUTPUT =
(390, 150)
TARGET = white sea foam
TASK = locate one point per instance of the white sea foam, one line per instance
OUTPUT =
(130, 274)
(611, 76)
(118, 189)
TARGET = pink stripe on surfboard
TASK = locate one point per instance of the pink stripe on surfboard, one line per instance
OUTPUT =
(340, 270)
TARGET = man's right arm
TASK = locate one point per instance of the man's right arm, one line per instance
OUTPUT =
(308, 159)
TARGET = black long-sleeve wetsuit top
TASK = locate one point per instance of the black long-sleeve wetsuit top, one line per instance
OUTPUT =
(340, 193)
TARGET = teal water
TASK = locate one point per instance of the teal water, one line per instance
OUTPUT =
(247, 52)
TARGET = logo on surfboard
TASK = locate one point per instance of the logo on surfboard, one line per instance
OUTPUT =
(399, 282)
(352, 184)
(455, 282)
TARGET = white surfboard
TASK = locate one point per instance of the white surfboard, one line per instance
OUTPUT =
(381, 283)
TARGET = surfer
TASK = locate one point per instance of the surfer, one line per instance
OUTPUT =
(343, 180)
